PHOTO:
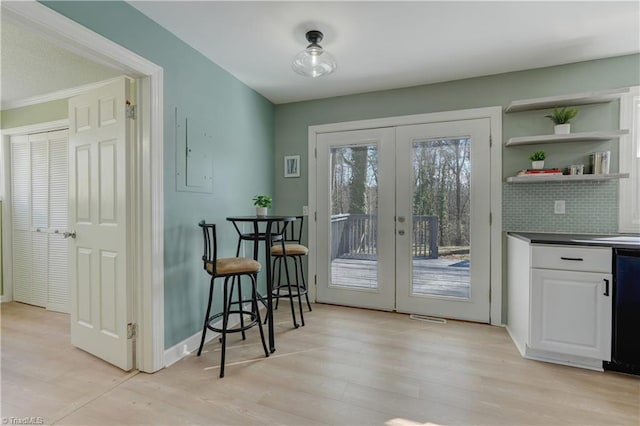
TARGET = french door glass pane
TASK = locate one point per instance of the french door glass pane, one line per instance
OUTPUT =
(354, 228)
(441, 217)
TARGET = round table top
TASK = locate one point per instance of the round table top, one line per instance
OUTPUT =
(268, 218)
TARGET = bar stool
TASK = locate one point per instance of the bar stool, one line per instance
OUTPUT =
(232, 267)
(291, 248)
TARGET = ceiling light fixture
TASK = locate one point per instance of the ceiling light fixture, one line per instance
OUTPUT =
(314, 61)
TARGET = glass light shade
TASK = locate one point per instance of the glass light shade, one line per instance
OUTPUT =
(314, 62)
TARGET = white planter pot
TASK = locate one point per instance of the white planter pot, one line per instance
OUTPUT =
(537, 164)
(562, 129)
(261, 211)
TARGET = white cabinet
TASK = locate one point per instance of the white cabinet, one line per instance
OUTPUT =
(559, 302)
(570, 313)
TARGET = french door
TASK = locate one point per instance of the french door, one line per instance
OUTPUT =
(356, 255)
(403, 219)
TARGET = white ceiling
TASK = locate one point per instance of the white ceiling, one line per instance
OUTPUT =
(383, 45)
(33, 66)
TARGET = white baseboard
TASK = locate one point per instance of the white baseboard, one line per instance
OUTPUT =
(568, 360)
(518, 345)
(176, 352)
(556, 358)
(5, 298)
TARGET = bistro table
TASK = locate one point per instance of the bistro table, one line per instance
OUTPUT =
(268, 234)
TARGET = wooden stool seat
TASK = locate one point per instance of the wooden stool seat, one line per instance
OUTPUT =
(290, 249)
(234, 265)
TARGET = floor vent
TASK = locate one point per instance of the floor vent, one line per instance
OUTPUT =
(428, 319)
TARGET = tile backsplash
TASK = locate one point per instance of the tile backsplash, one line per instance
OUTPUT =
(590, 207)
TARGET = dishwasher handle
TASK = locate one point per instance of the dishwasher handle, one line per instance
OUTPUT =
(575, 259)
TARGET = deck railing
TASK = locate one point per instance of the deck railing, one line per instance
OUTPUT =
(355, 235)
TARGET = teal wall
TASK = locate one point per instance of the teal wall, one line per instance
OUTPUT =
(242, 124)
(293, 120)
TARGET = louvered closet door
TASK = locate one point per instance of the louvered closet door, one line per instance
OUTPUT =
(21, 217)
(39, 218)
(58, 265)
(39, 182)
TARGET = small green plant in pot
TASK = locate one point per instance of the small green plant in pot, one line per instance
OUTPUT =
(537, 159)
(561, 118)
(262, 203)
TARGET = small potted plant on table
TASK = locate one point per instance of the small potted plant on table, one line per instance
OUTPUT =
(561, 118)
(537, 160)
(262, 203)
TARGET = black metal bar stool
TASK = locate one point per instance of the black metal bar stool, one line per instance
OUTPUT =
(291, 248)
(231, 267)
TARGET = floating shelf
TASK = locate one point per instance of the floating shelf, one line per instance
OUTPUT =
(566, 100)
(572, 137)
(565, 178)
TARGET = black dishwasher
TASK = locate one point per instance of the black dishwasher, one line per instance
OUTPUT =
(625, 350)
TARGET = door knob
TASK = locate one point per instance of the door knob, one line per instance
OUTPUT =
(71, 234)
(401, 232)
(401, 219)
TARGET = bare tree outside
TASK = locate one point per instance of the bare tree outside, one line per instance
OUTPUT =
(441, 203)
(441, 185)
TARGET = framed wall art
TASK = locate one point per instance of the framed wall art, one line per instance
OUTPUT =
(291, 166)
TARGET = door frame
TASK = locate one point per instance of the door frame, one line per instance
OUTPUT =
(494, 114)
(147, 237)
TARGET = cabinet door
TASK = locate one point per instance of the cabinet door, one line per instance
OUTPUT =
(571, 313)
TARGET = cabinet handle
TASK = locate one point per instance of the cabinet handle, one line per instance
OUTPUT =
(606, 287)
(577, 259)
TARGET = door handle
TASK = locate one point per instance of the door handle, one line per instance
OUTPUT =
(401, 232)
(606, 287)
(401, 219)
(71, 234)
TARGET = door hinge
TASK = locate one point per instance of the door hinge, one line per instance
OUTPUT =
(315, 216)
(315, 280)
(315, 152)
(490, 141)
(131, 111)
(132, 330)
(490, 218)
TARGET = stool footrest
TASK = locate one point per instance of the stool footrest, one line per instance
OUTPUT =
(253, 322)
(295, 291)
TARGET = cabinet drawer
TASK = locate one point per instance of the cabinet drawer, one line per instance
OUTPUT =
(571, 258)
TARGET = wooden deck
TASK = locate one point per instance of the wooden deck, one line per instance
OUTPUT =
(442, 277)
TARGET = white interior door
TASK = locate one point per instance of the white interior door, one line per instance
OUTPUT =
(100, 137)
(39, 216)
(443, 229)
(355, 224)
(403, 219)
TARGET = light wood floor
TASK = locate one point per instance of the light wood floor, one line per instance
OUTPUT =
(345, 367)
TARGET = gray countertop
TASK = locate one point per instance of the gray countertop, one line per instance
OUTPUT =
(630, 241)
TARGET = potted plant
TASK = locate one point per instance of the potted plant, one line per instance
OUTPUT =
(262, 203)
(537, 159)
(561, 118)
